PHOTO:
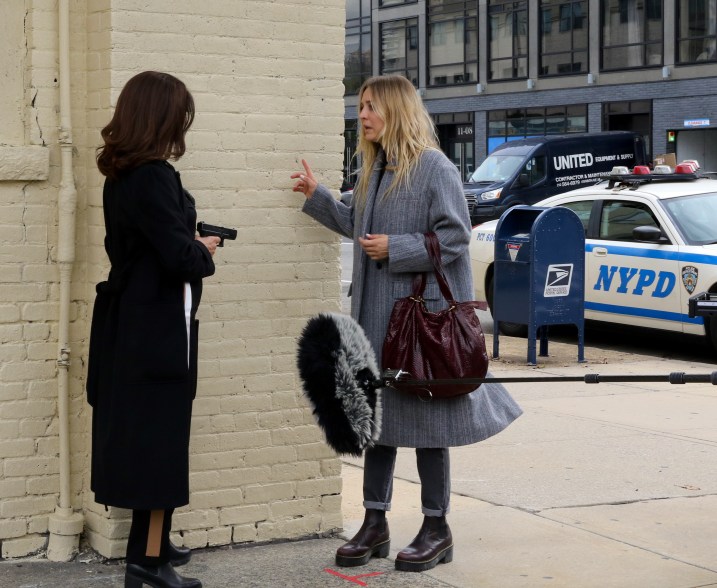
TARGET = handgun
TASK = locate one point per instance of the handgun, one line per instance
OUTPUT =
(206, 230)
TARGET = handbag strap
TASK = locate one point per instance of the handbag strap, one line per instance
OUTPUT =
(419, 285)
(434, 252)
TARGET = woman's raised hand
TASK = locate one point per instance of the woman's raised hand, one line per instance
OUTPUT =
(306, 182)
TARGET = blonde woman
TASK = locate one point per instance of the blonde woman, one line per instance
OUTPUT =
(407, 187)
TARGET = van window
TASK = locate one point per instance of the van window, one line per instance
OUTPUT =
(497, 168)
(534, 169)
(620, 217)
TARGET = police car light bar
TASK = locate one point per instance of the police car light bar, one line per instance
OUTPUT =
(641, 174)
(662, 169)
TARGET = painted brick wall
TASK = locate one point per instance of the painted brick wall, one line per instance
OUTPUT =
(267, 81)
(29, 479)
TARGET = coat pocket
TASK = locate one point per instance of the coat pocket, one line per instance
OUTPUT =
(152, 343)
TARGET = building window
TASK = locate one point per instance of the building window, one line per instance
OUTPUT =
(357, 58)
(696, 31)
(399, 48)
(387, 3)
(631, 34)
(452, 42)
(351, 163)
(635, 115)
(563, 37)
(521, 123)
(508, 39)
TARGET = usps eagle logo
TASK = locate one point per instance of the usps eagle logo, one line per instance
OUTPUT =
(557, 280)
(689, 278)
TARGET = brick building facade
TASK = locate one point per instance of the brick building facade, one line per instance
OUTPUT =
(267, 80)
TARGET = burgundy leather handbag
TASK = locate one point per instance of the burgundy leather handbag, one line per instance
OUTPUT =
(448, 344)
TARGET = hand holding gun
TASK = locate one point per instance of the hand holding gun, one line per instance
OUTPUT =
(206, 230)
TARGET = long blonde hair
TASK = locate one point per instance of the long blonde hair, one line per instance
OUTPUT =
(408, 131)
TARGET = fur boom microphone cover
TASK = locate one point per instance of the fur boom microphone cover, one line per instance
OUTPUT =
(337, 366)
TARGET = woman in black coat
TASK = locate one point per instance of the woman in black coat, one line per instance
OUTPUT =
(142, 373)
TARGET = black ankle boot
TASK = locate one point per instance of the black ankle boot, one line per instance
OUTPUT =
(432, 545)
(178, 556)
(371, 540)
(162, 576)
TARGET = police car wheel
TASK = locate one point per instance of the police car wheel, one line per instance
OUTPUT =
(507, 329)
(513, 329)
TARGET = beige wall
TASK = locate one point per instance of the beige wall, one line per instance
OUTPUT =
(266, 76)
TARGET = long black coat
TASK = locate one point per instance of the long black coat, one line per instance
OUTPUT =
(139, 381)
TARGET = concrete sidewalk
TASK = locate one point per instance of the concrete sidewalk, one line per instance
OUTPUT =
(607, 485)
(603, 485)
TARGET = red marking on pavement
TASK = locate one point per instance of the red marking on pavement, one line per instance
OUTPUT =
(354, 579)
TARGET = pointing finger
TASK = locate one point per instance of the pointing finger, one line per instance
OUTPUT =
(307, 168)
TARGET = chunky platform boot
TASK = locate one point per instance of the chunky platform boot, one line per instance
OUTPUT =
(372, 540)
(162, 576)
(432, 545)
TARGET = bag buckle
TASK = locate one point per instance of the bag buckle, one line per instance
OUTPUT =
(392, 376)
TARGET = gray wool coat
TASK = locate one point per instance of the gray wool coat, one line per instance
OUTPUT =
(433, 201)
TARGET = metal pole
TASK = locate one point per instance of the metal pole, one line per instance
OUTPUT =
(397, 378)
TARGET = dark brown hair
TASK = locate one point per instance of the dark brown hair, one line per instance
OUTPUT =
(154, 112)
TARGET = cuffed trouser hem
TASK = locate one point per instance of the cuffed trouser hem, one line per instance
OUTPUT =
(435, 513)
(379, 462)
(386, 506)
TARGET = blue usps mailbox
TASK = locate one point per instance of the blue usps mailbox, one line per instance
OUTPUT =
(539, 275)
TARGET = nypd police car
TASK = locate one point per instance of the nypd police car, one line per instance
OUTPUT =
(650, 244)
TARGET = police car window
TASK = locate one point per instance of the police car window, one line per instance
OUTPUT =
(695, 216)
(582, 209)
(620, 217)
